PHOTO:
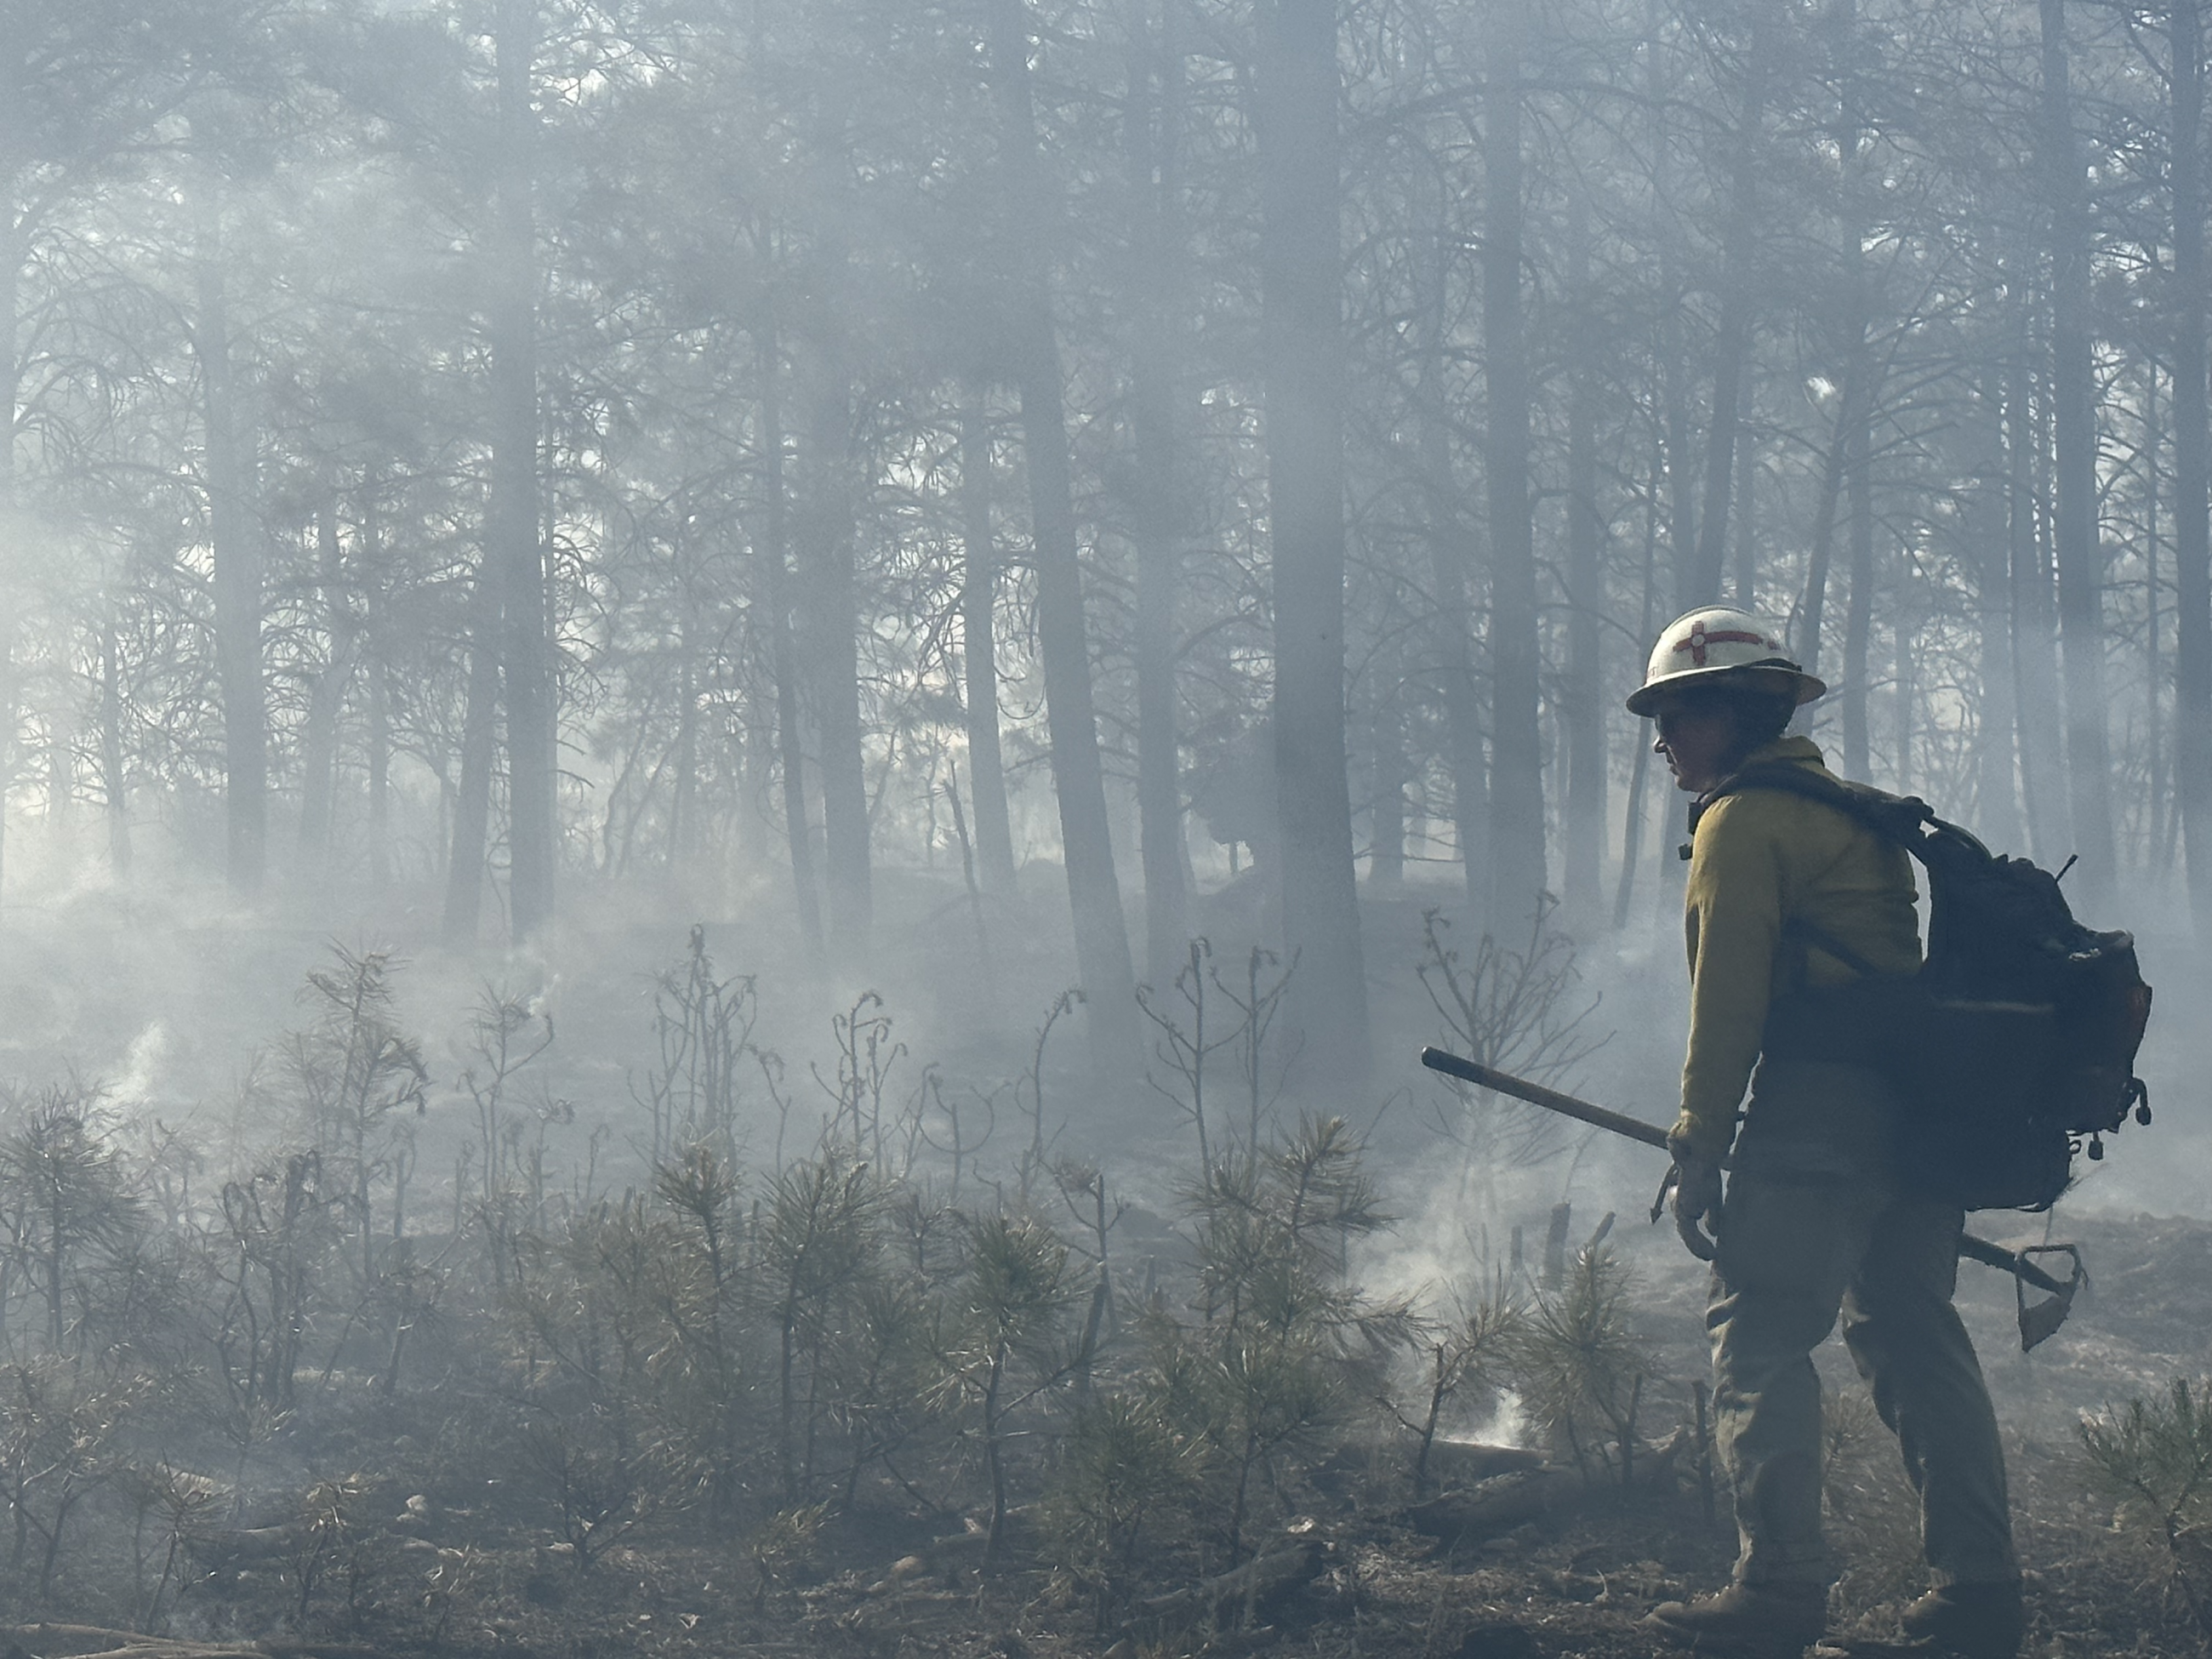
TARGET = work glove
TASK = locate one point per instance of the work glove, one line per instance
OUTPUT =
(1694, 1184)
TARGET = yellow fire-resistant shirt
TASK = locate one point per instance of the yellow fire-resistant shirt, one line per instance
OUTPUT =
(1760, 860)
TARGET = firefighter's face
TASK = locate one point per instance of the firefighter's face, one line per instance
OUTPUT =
(1697, 736)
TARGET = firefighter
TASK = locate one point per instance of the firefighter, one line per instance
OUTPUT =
(1788, 897)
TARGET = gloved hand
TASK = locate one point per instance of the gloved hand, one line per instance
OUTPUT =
(1696, 1181)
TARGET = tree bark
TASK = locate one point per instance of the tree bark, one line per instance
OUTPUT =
(1858, 609)
(512, 528)
(683, 787)
(775, 570)
(233, 533)
(12, 255)
(2156, 801)
(2079, 556)
(1732, 344)
(979, 658)
(1905, 688)
(1154, 118)
(1102, 939)
(1674, 374)
(1746, 520)
(318, 756)
(1995, 798)
(1301, 270)
(472, 825)
(1386, 838)
(114, 776)
(1682, 505)
(1585, 682)
(379, 689)
(1632, 831)
(1516, 781)
(1819, 560)
(1452, 563)
(2035, 662)
(832, 629)
(2192, 466)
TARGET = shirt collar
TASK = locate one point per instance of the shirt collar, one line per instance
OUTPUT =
(1803, 751)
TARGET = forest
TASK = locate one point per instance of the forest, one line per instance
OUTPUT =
(741, 741)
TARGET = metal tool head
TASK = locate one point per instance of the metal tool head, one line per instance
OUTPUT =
(2040, 1320)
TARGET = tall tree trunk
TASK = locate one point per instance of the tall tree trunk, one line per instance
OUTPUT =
(1732, 344)
(326, 698)
(683, 787)
(1833, 467)
(1673, 390)
(1452, 566)
(1747, 522)
(2035, 661)
(2192, 466)
(376, 621)
(2154, 806)
(1675, 380)
(1855, 393)
(1681, 493)
(1586, 610)
(1995, 798)
(234, 532)
(1301, 352)
(1632, 831)
(114, 777)
(979, 658)
(832, 629)
(471, 822)
(12, 255)
(513, 540)
(1516, 783)
(1154, 118)
(1906, 689)
(1855, 418)
(2074, 415)
(1858, 609)
(1094, 892)
(1386, 735)
(774, 553)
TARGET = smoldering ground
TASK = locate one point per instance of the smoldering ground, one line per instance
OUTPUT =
(547, 1395)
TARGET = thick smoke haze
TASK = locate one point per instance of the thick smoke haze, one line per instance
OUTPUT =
(742, 745)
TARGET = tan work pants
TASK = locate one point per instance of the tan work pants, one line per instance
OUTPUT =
(1813, 1223)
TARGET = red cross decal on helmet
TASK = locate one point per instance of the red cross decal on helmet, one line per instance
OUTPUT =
(1699, 638)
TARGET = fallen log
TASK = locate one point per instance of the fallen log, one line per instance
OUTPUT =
(1463, 1463)
(1498, 1504)
(52, 1641)
(1502, 1502)
(1249, 1593)
(65, 1641)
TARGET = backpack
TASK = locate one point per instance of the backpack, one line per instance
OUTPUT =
(2014, 1045)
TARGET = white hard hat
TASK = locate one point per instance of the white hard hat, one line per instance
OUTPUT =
(1719, 643)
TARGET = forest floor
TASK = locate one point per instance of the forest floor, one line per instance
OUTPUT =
(466, 1572)
(456, 1572)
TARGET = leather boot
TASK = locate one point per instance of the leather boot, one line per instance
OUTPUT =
(1973, 1621)
(1745, 1619)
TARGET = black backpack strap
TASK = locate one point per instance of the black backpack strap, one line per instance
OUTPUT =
(1894, 818)
(1804, 933)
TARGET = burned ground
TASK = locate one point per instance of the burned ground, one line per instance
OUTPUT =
(585, 1378)
(426, 1534)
